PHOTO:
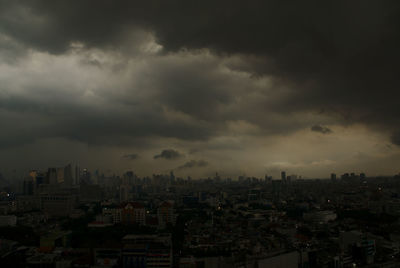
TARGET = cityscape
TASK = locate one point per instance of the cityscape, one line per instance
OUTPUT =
(72, 217)
(199, 134)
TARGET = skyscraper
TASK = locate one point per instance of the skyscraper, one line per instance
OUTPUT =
(52, 176)
(68, 175)
(77, 175)
(60, 175)
(283, 176)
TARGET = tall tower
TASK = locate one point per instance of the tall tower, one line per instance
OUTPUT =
(52, 176)
(60, 175)
(77, 175)
(283, 176)
(68, 175)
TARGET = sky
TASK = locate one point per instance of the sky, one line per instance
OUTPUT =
(198, 87)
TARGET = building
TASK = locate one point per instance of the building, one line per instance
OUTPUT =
(55, 239)
(358, 245)
(60, 175)
(165, 214)
(51, 176)
(113, 213)
(68, 178)
(133, 213)
(146, 251)
(57, 204)
(107, 257)
(28, 186)
(283, 176)
(125, 193)
(90, 193)
(27, 203)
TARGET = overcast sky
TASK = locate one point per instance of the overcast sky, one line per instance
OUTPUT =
(198, 87)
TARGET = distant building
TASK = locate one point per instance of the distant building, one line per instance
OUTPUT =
(267, 178)
(68, 178)
(90, 193)
(60, 175)
(359, 245)
(125, 193)
(51, 177)
(146, 251)
(333, 176)
(55, 239)
(133, 213)
(57, 204)
(107, 257)
(165, 214)
(28, 186)
(77, 175)
(86, 177)
(283, 176)
(27, 203)
(345, 176)
(113, 213)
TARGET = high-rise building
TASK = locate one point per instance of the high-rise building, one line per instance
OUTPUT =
(52, 176)
(165, 214)
(77, 175)
(267, 178)
(60, 175)
(333, 176)
(57, 204)
(125, 193)
(133, 213)
(283, 176)
(86, 177)
(28, 186)
(68, 180)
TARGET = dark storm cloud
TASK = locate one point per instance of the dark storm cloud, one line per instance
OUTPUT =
(169, 154)
(10, 50)
(130, 156)
(321, 129)
(194, 163)
(336, 58)
(92, 125)
(396, 138)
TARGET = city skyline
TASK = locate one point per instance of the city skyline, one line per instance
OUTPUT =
(74, 174)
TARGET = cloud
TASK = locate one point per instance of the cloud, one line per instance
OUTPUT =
(193, 164)
(321, 129)
(138, 75)
(169, 154)
(395, 138)
(130, 156)
(309, 50)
